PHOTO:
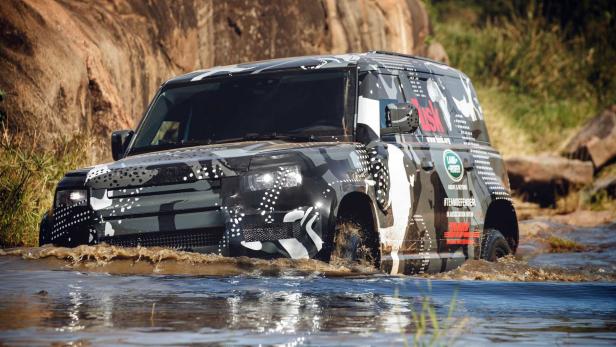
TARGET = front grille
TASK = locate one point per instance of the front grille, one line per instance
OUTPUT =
(182, 240)
(270, 232)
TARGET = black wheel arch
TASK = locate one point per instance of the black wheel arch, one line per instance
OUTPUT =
(501, 215)
(356, 202)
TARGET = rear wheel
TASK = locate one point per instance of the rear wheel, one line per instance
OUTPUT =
(355, 241)
(494, 245)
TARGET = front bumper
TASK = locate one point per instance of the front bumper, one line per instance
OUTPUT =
(296, 233)
(200, 208)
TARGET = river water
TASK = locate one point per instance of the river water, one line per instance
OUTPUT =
(111, 296)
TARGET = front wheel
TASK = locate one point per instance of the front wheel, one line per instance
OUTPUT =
(355, 241)
(494, 245)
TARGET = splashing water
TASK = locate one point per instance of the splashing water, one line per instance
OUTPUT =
(104, 295)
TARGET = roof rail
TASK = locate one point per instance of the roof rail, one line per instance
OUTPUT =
(407, 56)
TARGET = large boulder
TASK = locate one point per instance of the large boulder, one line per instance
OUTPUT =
(596, 141)
(544, 178)
(90, 67)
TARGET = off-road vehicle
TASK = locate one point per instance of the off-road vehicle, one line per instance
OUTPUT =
(377, 157)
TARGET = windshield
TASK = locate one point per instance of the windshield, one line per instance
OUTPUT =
(306, 105)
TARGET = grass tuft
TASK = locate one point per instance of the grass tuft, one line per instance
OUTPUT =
(27, 181)
(560, 245)
(432, 330)
(599, 201)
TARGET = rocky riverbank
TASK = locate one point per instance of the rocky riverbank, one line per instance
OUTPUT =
(586, 166)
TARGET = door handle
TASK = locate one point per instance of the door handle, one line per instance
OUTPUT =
(469, 164)
(427, 164)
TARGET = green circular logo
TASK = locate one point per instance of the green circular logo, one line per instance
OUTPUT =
(453, 165)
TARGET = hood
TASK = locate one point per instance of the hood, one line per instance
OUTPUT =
(188, 164)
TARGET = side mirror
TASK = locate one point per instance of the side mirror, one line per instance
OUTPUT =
(401, 119)
(119, 142)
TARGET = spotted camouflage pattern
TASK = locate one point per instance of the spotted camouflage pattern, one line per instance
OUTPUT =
(431, 191)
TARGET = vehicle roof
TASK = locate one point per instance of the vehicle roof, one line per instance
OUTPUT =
(368, 61)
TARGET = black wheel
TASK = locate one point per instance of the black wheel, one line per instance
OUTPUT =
(355, 241)
(494, 245)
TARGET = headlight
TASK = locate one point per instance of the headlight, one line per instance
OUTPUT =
(275, 177)
(71, 197)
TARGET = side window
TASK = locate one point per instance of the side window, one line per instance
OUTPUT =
(376, 91)
(169, 131)
(468, 114)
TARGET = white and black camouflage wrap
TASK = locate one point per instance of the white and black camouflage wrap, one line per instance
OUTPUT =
(433, 192)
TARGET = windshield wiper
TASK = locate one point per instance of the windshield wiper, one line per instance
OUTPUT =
(163, 145)
(268, 136)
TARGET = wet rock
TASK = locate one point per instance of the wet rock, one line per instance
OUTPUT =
(531, 216)
(509, 269)
(91, 67)
(596, 141)
(526, 210)
(585, 218)
(543, 178)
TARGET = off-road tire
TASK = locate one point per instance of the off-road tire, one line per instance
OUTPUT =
(494, 245)
(354, 241)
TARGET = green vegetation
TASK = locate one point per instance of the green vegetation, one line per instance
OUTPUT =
(560, 245)
(27, 180)
(539, 74)
(428, 331)
(600, 200)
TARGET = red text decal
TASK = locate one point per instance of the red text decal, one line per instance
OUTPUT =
(429, 117)
(459, 234)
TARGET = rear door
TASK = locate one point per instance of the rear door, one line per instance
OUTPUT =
(443, 202)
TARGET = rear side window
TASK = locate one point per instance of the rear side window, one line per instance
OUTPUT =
(468, 115)
(447, 105)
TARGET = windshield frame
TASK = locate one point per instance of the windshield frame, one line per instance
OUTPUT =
(349, 116)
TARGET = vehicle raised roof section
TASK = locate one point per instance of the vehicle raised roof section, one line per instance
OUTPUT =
(373, 60)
